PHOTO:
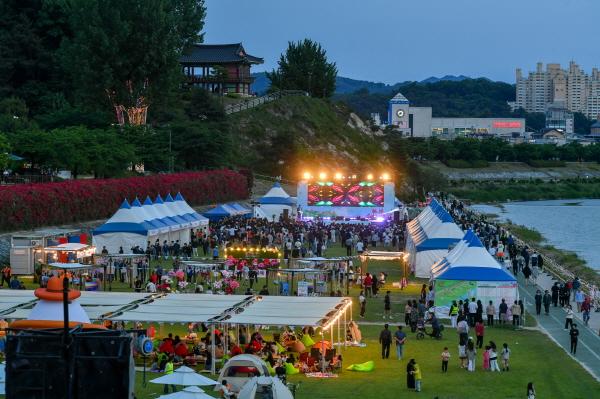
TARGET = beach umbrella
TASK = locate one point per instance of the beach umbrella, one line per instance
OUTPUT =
(191, 392)
(184, 376)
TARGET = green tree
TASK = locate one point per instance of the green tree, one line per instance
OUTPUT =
(128, 48)
(304, 66)
(4, 151)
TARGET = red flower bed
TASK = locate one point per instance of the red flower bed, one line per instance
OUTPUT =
(45, 204)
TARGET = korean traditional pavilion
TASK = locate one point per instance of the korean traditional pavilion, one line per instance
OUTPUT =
(219, 68)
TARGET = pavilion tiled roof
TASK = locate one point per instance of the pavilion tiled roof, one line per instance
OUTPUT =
(218, 54)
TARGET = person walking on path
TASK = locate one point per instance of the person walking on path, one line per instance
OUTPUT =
(555, 291)
(490, 311)
(363, 303)
(538, 302)
(387, 306)
(472, 312)
(462, 328)
(546, 300)
(410, 374)
(368, 284)
(385, 339)
(575, 286)
(574, 334)
(586, 308)
(579, 298)
(400, 339)
(569, 317)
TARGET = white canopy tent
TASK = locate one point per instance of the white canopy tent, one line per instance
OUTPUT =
(137, 224)
(275, 203)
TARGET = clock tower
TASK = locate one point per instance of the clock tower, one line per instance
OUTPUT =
(398, 111)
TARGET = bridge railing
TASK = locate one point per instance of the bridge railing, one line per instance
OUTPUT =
(254, 102)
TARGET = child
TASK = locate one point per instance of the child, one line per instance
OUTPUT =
(479, 331)
(417, 374)
(486, 357)
(445, 358)
(462, 355)
(505, 357)
(493, 360)
(471, 354)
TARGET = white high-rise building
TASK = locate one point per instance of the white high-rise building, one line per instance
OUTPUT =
(555, 87)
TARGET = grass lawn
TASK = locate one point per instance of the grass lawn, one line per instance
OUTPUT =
(534, 358)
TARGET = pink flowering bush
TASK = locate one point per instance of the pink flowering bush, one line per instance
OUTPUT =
(26, 206)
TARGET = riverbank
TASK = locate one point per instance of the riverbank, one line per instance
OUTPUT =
(567, 259)
(524, 190)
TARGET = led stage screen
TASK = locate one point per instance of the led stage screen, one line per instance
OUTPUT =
(351, 193)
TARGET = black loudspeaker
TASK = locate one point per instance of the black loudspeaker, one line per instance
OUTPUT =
(100, 365)
(397, 216)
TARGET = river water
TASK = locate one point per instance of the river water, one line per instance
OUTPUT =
(572, 225)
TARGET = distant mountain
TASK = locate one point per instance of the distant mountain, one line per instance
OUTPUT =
(451, 78)
(349, 85)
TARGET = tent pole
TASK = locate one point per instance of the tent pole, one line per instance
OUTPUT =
(338, 335)
(213, 349)
(345, 340)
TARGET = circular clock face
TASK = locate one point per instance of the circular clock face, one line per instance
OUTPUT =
(400, 113)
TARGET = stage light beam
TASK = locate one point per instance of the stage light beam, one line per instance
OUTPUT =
(385, 176)
(322, 175)
(307, 175)
(338, 176)
(370, 176)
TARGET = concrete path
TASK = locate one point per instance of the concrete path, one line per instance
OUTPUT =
(588, 348)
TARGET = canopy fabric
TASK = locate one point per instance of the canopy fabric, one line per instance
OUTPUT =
(276, 196)
(184, 376)
(72, 266)
(190, 392)
(71, 246)
(253, 388)
(134, 224)
(470, 261)
(429, 237)
(290, 311)
(219, 212)
(241, 210)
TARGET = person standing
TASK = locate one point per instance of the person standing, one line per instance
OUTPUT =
(574, 334)
(579, 298)
(385, 339)
(387, 305)
(538, 302)
(362, 300)
(472, 312)
(555, 291)
(530, 391)
(400, 339)
(569, 317)
(505, 357)
(503, 310)
(493, 359)
(515, 309)
(445, 359)
(547, 300)
(169, 370)
(490, 311)
(410, 374)
(368, 284)
(453, 314)
(462, 328)
(471, 355)
(418, 377)
(479, 332)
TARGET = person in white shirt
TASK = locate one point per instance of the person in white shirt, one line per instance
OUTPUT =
(359, 247)
(151, 287)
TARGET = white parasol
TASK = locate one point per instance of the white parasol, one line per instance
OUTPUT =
(191, 392)
(184, 376)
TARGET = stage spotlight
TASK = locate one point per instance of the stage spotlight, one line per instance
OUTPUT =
(385, 176)
(306, 175)
(370, 176)
(322, 175)
(338, 176)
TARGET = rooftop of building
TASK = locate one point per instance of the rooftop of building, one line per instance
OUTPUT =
(218, 54)
(399, 99)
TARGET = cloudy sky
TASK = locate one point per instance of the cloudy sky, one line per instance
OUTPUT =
(397, 40)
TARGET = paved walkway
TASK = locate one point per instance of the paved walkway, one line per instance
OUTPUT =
(588, 348)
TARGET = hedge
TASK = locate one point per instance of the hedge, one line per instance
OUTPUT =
(27, 206)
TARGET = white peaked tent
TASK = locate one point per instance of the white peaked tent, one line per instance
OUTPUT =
(429, 237)
(137, 224)
(469, 271)
(274, 203)
(265, 387)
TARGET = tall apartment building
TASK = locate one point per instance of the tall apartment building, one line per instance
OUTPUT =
(555, 87)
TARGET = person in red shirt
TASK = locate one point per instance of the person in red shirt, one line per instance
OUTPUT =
(368, 283)
(479, 331)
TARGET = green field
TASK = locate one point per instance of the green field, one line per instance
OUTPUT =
(534, 358)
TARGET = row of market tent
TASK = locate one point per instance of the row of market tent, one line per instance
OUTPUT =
(457, 263)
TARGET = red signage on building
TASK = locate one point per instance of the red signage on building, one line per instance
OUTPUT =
(506, 125)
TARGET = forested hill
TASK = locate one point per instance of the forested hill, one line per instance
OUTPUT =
(465, 98)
